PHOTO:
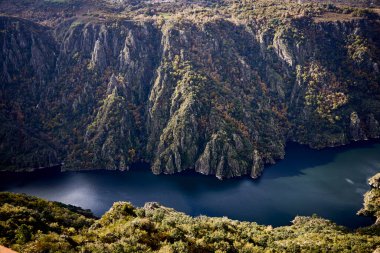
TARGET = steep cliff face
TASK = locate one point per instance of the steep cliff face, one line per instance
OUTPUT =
(28, 54)
(215, 93)
(114, 64)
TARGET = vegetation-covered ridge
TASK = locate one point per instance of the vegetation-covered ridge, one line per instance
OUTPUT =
(214, 86)
(29, 224)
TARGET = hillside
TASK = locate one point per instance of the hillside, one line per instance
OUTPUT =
(29, 224)
(219, 87)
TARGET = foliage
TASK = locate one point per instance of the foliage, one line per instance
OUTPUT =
(38, 223)
(29, 224)
(215, 86)
(323, 93)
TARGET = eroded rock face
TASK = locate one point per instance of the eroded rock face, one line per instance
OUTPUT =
(28, 57)
(216, 96)
(373, 126)
(372, 199)
(357, 132)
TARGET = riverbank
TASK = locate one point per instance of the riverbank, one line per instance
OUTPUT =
(330, 183)
(155, 228)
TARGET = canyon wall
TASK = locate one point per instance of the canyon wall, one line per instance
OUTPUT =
(221, 96)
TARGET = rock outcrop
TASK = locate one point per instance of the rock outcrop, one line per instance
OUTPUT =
(372, 199)
(219, 91)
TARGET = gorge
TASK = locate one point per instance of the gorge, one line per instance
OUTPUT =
(33, 225)
(329, 183)
(101, 99)
(215, 87)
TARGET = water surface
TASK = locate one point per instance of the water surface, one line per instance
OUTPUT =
(329, 182)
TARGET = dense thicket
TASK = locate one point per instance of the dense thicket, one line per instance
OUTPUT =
(30, 224)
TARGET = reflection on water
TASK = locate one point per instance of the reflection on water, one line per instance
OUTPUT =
(329, 182)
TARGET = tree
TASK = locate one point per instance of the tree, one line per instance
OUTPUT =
(23, 234)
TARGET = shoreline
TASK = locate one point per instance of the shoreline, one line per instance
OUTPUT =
(147, 165)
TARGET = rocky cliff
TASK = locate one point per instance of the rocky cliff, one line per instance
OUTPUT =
(214, 87)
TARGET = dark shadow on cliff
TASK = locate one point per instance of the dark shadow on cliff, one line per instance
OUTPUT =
(18, 179)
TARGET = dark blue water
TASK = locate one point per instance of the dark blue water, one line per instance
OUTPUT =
(330, 183)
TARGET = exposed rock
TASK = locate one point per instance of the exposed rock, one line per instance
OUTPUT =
(374, 181)
(373, 126)
(372, 199)
(257, 167)
(357, 132)
(151, 205)
(220, 95)
(98, 57)
(112, 85)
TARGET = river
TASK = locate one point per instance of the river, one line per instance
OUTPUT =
(329, 183)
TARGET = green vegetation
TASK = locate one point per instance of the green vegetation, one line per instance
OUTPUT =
(214, 86)
(107, 136)
(30, 224)
(324, 94)
(358, 48)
